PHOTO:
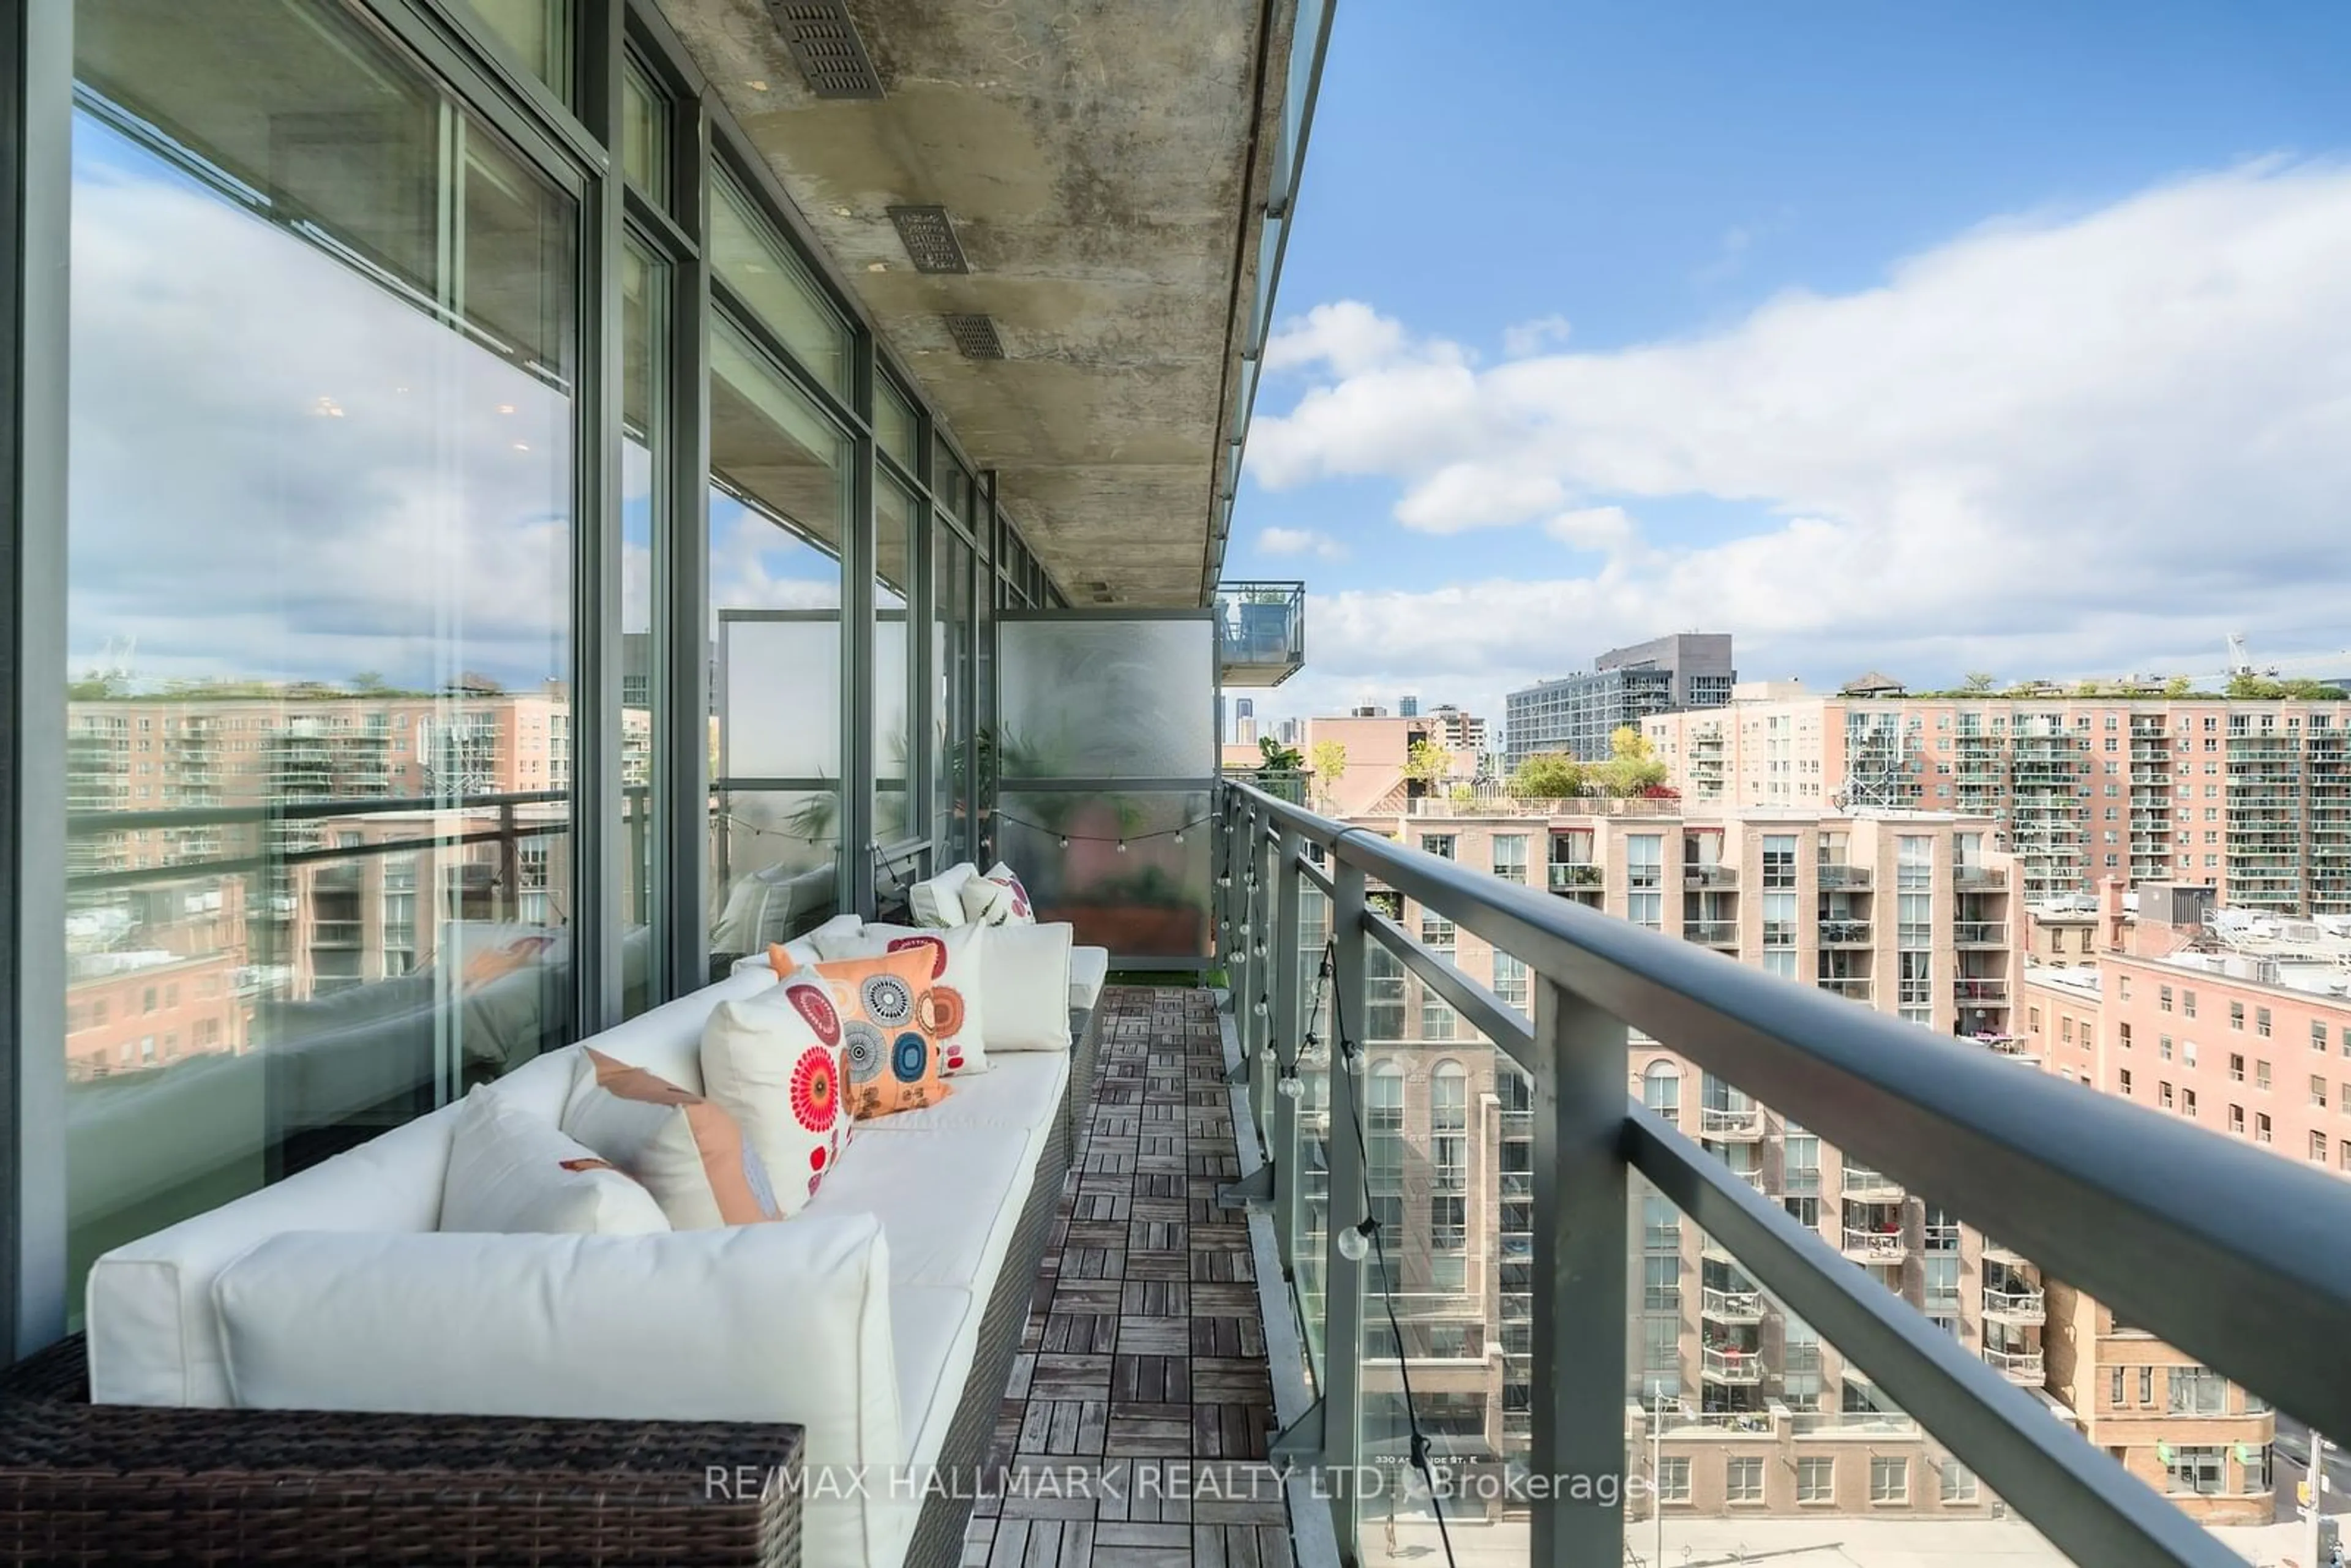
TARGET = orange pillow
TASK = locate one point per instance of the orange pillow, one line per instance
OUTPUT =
(782, 963)
(885, 1016)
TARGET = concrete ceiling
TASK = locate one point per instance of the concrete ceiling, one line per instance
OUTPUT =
(1096, 159)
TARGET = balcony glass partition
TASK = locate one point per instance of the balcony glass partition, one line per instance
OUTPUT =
(646, 484)
(320, 603)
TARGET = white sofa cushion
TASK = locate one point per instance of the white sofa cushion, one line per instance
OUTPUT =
(154, 1338)
(997, 897)
(1023, 1090)
(765, 1061)
(948, 1198)
(1027, 981)
(938, 901)
(955, 1006)
(1089, 968)
(510, 1171)
(641, 1328)
(935, 1335)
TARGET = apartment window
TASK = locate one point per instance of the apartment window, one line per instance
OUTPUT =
(2236, 1119)
(2123, 1035)
(2163, 997)
(1661, 1282)
(2237, 1015)
(2186, 1003)
(2318, 1090)
(1914, 863)
(1958, 1481)
(1673, 1480)
(1448, 1223)
(1510, 857)
(1801, 1161)
(1816, 1478)
(2260, 1126)
(2261, 1074)
(1510, 980)
(2163, 1048)
(1439, 844)
(1742, 1480)
(2188, 1052)
(1384, 1129)
(2115, 1387)
(1449, 1127)
(2164, 1097)
(2123, 1079)
(2236, 1067)
(2319, 1147)
(1645, 860)
(2199, 1471)
(2197, 1391)
(2257, 1468)
(1778, 860)
(2145, 1378)
(1661, 1223)
(2187, 1102)
(1889, 1479)
(1661, 1090)
(2318, 1037)
(1437, 932)
(1805, 1211)
(2262, 1022)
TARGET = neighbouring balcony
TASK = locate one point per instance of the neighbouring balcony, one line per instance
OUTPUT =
(1731, 1126)
(1978, 878)
(1737, 1368)
(2023, 1366)
(1867, 1185)
(1845, 933)
(1701, 877)
(2014, 1305)
(1732, 1306)
(1873, 1245)
(1711, 933)
(1979, 934)
(1567, 876)
(1982, 992)
(1852, 987)
(1260, 632)
(1849, 877)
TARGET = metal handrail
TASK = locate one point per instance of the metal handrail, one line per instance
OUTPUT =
(2088, 1185)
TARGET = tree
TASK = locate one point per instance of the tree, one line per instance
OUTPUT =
(1979, 681)
(1330, 767)
(367, 681)
(1278, 757)
(1425, 762)
(1548, 776)
(1631, 766)
(2177, 686)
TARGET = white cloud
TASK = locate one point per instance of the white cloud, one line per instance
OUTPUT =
(1349, 337)
(1300, 541)
(2059, 442)
(1534, 337)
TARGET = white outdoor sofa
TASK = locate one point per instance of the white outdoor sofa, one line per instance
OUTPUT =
(882, 1320)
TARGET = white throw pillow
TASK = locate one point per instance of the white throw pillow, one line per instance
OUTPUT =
(955, 1006)
(690, 1153)
(775, 1062)
(938, 902)
(997, 898)
(512, 1172)
(1026, 971)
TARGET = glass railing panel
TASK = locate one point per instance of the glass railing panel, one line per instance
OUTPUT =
(1310, 1230)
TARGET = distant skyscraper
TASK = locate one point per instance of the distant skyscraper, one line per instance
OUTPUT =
(1408, 706)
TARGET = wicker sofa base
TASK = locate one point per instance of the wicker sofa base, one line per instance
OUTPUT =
(101, 1484)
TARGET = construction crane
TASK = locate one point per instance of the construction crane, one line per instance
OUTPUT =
(2241, 662)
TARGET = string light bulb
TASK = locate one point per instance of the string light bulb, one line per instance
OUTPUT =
(1065, 841)
(1259, 1007)
(1179, 835)
(1290, 1086)
(1354, 1055)
(1121, 846)
(1355, 1241)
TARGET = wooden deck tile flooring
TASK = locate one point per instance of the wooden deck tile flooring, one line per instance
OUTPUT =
(1134, 1433)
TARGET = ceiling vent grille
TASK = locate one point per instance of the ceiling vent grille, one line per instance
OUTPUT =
(974, 335)
(824, 43)
(930, 239)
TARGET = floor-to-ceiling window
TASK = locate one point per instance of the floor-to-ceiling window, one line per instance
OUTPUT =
(324, 377)
(645, 491)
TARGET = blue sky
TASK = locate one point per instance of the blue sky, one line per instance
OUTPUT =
(1761, 226)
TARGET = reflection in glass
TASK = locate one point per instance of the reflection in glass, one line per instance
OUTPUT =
(541, 32)
(751, 259)
(951, 753)
(644, 580)
(894, 429)
(644, 135)
(318, 613)
(895, 511)
(778, 508)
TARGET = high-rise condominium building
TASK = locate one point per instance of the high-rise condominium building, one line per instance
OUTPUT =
(2250, 798)
(1577, 713)
(1911, 913)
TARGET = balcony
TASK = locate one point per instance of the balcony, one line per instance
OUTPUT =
(1575, 876)
(1852, 987)
(1730, 1306)
(1711, 933)
(2022, 1366)
(1698, 878)
(1731, 1126)
(1863, 1185)
(1980, 992)
(1979, 934)
(1980, 878)
(2014, 1304)
(1845, 934)
(1260, 632)
(1836, 875)
(1873, 1245)
(1733, 1367)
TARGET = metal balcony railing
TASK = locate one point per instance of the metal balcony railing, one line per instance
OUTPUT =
(1569, 875)
(2088, 1185)
(1260, 632)
(1837, 874)
(1742, 1125)
(2014, 1306)
(1732, 1306)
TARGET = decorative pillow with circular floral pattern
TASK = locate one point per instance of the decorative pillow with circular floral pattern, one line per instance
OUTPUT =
(951, 1005)
(777, 1063)
(884, 1005)
(997, 897)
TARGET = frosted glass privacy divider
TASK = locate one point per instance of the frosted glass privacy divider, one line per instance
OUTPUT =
(779, 694)
(1096, 694)
(1147, 904)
